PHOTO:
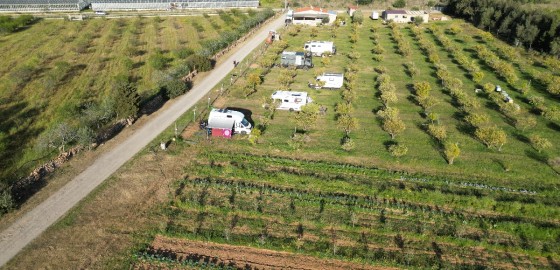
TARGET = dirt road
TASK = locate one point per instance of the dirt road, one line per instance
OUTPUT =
(33, 223)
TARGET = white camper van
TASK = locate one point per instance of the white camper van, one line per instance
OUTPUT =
(330, 81)
(224, 119)
(291, 100)
(318, 48)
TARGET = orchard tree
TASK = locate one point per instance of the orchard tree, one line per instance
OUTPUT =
(254, 79)
(388, 97)
(307, 117)
(524, 123)
(539, 143)
(347, 123)
(491, 137)
(477, 119)
(388, 113)
(477, 76)
(451, 151)
(438, 132)
(422, 89)
(57, 137)
(489, 88)
(394, 126)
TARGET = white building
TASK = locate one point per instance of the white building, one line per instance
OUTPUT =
(42, 5)
(170, 4)
(313, 16)
(404, 16)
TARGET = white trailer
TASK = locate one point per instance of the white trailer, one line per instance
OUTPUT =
(319, 48)
(291, 100)
(329, 81)
(374, 15)
(224, 120)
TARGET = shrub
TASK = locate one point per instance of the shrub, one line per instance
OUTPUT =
(198, 62)
(158, 61)
(175, 88)
(398, 150)
(348, 144)
(358, 17)
(6, 202)
(254, 136)
(183, 53)
(399, 4)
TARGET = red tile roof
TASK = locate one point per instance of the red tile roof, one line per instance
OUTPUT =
(311, 8)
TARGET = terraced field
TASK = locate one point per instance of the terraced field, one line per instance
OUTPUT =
(298, 189)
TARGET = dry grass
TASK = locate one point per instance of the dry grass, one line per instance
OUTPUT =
(99, 233)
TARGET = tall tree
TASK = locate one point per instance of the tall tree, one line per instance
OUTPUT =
(127, 100)
(527, 33)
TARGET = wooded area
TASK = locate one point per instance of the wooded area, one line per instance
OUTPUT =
(511, 21)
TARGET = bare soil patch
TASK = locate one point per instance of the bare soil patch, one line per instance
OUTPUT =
(244, 257)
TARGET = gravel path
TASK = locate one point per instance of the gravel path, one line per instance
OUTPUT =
(33, 223)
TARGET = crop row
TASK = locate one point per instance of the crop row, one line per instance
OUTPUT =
(333, 170)
(350, 216)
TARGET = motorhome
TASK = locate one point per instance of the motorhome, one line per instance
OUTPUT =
(224, 123)
(328, 81)
(319, 48)
(291, 100)
(296, 59)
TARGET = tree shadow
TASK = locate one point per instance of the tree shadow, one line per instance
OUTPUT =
(521, 137)
(138, 64)
(553, 126)
(540, 157)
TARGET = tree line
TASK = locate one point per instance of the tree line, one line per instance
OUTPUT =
(10, 24)
(535, 29)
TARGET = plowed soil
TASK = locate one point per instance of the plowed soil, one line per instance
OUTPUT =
(243, 257)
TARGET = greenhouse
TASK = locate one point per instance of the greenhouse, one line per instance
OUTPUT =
(42, 5)
(169, 4)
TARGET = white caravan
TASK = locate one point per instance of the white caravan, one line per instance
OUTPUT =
(329, 80)
(291, 100)
(318, 48)
(374, 15)
(228, 119)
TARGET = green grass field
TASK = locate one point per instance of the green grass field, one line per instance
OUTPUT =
(51, 70)
(490, 209)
